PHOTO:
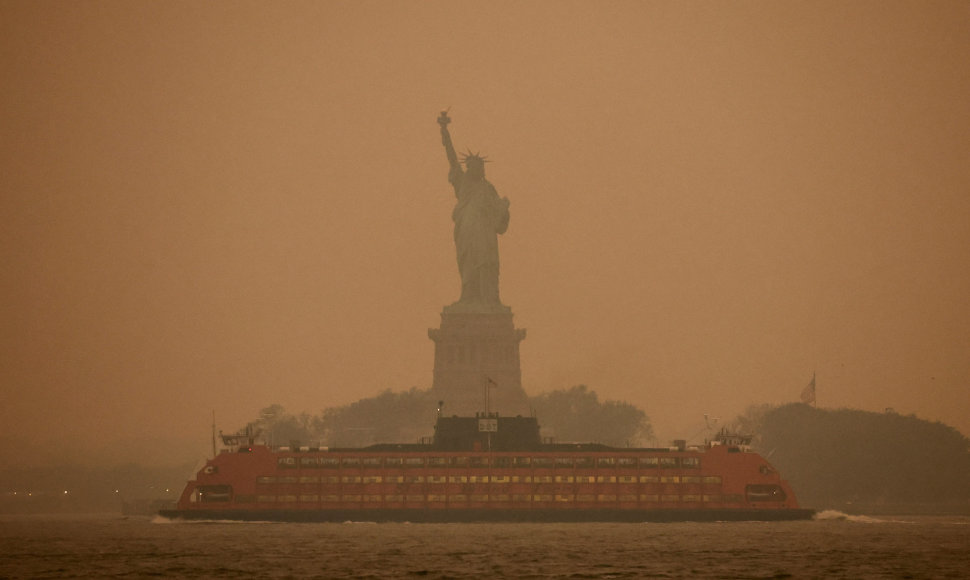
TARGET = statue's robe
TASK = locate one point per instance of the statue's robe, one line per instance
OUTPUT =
(479, 216)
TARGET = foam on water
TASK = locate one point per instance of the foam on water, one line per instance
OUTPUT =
(837, 515)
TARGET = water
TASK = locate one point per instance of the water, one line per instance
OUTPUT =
(831, 546)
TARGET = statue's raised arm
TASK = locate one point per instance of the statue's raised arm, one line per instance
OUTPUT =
(454, 171)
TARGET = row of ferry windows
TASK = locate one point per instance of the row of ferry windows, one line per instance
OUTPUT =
(483, 461)
(493, 479)
(452, 498)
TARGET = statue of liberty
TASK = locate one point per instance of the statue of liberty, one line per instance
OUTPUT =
(479, 216)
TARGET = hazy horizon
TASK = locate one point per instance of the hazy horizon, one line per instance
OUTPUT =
(229, 205)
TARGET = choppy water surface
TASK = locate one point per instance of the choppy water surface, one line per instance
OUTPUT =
(832, 546)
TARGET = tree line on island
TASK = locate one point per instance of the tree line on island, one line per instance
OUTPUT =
(863, 461)
(574, 414)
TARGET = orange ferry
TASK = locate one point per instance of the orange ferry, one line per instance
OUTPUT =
(489, 468)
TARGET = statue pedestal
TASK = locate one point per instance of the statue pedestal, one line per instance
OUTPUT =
(475, 351)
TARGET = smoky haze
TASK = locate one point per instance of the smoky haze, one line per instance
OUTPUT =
(229, 205)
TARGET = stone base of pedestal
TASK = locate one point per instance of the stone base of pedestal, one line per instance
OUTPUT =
(475, 351)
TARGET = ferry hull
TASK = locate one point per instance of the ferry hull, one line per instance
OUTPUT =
(494, 515)
(489, 469)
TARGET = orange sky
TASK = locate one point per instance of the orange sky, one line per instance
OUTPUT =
(224, 205)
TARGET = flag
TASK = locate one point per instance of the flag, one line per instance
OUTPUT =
(808, 393)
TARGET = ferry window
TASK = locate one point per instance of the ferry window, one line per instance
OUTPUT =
(459, 461)
(478, 461)
(413, 461)
(668, 462)
(438, 461)
(690, 462)
(544, 462)
(502, 461)
(266, 479)
(712, 479)
(288, 479)
(350, 461)
(521, 461)
(585, 462)
(214, 493)
(649, 462)
(564, 462)
(393, 461)
(309, 479)
(329, 462)
(372, 461)
(626, 461)
(605, 461)
(308, 462)
(286, 462)
(765, 493)
(691, 479)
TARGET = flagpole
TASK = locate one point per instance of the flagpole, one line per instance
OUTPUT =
(808, 393)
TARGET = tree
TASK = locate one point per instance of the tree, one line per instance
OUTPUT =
(577, 414)
(846, 456)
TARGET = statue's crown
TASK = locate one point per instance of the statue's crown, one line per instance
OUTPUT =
(473, 158)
